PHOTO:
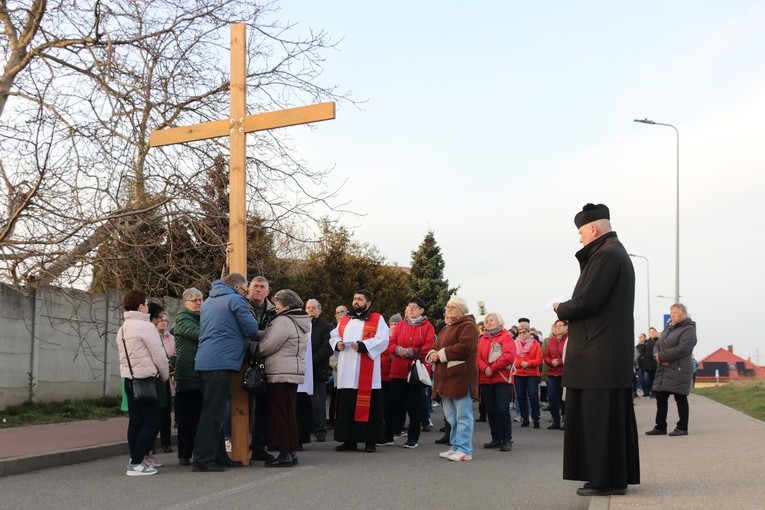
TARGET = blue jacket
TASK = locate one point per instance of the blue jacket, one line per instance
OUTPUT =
(226, 321)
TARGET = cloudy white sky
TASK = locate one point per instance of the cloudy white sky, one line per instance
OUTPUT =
(492, 123)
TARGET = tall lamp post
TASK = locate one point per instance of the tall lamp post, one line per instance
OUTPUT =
(677, 206)
(647, 285)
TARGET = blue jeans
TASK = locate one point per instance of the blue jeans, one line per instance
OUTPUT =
(646, 381)
(517, 403)
(459, 413)
(555, 397)
(528, 390)
(496, 401)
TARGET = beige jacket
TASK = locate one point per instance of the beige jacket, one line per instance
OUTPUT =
(147, 356)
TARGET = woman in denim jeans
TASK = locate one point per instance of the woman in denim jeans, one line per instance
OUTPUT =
(456, 376)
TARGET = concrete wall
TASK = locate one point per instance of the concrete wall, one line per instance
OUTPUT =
(58, 344)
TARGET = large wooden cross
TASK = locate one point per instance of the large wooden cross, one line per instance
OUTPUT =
(236, 128)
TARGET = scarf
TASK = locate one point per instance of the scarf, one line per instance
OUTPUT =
(415, 322)
(494, 332)
(524, 347)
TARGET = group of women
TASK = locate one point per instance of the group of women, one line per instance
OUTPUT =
(143, 354)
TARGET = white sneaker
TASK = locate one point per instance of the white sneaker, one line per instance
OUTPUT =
(446, 454)
(141, 469)
(228, 446)
(459, 457)
(389, 443)
(410, 444)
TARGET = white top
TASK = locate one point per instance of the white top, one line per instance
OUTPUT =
(348, 360)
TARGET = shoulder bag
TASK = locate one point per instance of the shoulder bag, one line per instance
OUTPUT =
(254, 379)
(418, 373)
(144, 390)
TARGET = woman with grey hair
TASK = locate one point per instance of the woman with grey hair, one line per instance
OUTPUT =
(495, 358)
(283, 348)
(456, 376)
(188, 389)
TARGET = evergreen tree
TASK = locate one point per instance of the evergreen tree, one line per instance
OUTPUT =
(427, 278)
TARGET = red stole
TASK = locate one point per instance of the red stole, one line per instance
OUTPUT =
(367, 368)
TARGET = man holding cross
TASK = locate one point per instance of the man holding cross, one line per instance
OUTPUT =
(360, 339)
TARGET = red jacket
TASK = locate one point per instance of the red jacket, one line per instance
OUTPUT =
(419, 338)
(533, 358)
(502, 366)
(385, 360)
(553, 351)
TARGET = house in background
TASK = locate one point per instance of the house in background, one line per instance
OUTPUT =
(728, 366)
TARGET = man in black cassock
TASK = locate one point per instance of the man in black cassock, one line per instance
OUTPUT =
(600, 442)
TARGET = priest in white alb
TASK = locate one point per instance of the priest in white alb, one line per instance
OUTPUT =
(360, 338)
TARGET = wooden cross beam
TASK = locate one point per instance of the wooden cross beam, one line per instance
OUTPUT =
(236, 128)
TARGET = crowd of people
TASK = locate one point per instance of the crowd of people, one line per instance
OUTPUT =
(378, 373)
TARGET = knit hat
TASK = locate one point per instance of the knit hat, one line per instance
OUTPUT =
(590, 213)
(395, 318)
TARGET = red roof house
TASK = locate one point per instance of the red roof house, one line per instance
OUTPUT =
(728, 366)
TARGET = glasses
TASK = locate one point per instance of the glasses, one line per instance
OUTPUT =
(413, 307)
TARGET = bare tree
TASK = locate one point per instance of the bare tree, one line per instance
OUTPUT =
(83, 86)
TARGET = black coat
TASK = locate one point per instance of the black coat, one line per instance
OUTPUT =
(600, 352)
(645, 355)
(320, 348)
(675, 346)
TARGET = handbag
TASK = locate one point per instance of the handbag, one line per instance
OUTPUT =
(418, 373)
(254, 379)
(145, 389)
(495, 352)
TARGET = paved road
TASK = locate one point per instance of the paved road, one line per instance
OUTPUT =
(720, 465)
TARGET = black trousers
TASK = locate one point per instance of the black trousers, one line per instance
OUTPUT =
(259, 422)
(188, 408)
(404, 399)
(662, 407)
(319, 408)
(143, 423)
(209, 445)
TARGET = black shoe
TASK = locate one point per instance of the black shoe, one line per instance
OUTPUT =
(230, 463)
(283, 460)
(493, 444)
(261, 455)
(602, 491)
(294, 458)
(346, 447)
(442, 429)
(536, 424)
(525, 423)
(167, 449)
(426, 428)
(443, 440)
(370, 448)
(656, 432)
(678, 432)
(212, 468)
(506, 445)
(554, 426)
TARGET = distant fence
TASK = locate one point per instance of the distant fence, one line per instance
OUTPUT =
(58, 344)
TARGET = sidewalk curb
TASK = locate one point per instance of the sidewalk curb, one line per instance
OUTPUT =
(18, 465)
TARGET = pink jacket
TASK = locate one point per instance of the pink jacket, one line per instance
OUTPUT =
(147, 356)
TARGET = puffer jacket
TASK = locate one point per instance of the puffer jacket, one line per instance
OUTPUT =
(144, 346)
(284, 347)
(502, 366)
(226, 321)
(675, 347)
(186, 331)
(554, 350)
(533, 358)
(416, 339)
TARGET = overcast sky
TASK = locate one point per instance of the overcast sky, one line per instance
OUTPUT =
(493, 123)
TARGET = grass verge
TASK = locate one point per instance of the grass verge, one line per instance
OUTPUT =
(37, 413)
(745, 396)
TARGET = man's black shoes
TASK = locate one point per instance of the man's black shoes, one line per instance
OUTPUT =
(678, 432)
(494, 444)
(590, 490)
(346, 447)
(261, 455)
(656, 432)
(212, 468)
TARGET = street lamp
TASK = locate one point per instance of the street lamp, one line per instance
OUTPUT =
(677, 206)
(647, 285)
